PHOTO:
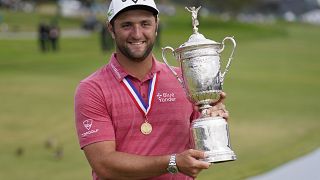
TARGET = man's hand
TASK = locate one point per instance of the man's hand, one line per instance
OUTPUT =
(218, 108)
(188, 162)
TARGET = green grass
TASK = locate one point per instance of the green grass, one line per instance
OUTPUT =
(272, 89)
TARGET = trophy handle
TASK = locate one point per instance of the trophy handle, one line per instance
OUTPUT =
(168, 65)
(231, 56)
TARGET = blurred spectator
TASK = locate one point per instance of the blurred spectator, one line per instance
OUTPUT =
(106, 39)
(43, 34)
(54, 33)
(90, 23)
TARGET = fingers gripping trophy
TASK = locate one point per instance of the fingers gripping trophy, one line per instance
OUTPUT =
(202, 79)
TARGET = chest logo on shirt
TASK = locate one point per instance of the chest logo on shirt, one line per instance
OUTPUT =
(166, 97)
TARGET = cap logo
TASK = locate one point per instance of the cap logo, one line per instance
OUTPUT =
(135, 1)
(110, 13)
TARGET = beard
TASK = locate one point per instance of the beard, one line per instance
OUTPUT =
(126, 51)
(136, 57)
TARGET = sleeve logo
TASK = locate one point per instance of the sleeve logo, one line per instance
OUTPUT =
(87, 124)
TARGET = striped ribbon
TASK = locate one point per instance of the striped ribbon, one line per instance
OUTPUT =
(135, 95)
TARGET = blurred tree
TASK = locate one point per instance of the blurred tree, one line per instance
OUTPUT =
(87, 3)
(232, 6)
(196, 3)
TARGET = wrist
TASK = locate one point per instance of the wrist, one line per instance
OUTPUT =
(172, 165)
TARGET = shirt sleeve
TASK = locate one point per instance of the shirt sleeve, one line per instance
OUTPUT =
(92, 120)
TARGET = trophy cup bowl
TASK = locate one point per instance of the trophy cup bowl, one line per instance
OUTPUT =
(202, 79)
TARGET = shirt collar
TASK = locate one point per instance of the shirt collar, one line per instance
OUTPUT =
(119, 72)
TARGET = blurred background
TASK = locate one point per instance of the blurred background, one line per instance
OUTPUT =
(48, 46)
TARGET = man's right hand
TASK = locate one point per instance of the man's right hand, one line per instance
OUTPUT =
(188, 162)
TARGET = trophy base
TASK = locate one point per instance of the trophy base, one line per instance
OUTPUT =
(219, 157)
(211, 135)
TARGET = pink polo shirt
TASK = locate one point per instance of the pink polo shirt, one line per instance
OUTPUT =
(104, 111)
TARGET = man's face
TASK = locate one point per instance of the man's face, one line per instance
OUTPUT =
(135, 33)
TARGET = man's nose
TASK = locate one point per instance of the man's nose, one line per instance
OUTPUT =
(137, 31)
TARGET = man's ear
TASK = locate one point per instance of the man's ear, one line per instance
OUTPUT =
(157, 26)
(111, 30)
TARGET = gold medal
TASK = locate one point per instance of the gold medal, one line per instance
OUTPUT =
(146, 128)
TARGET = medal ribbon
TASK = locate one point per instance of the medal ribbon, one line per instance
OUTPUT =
(135, 95)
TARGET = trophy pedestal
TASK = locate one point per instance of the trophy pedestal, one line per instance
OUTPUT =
(222, 156)
(211, 134)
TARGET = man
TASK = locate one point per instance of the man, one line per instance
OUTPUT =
(132, 116)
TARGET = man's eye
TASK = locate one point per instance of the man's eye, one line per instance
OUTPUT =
(146, 24)
(125, 25)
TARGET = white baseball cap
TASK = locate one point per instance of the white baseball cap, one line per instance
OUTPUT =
(118, 6)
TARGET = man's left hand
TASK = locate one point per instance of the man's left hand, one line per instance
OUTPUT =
(218, 108)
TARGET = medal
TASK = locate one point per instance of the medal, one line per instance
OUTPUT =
(144, 108)
(146, 128)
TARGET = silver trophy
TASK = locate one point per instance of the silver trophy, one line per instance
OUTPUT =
(202, 79)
